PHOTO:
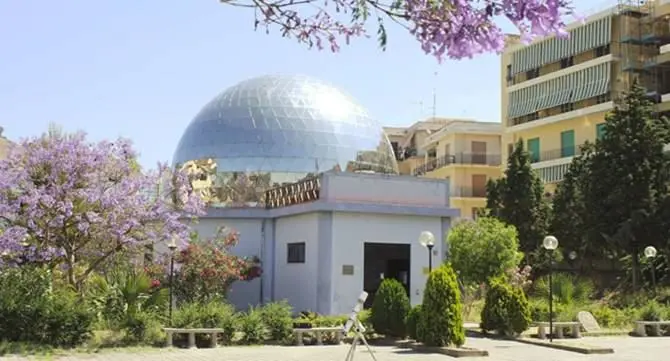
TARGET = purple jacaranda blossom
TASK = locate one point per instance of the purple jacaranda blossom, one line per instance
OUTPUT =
(453, 29)
(68, 201)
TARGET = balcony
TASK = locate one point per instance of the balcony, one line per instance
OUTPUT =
(460, 158)
(554, 154)
(468, 192)
(542, 121)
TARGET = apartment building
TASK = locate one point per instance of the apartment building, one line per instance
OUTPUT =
(407, 141)
(556, 92)
(465, 152)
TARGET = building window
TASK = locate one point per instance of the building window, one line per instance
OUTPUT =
(602, 50)
(295, 252)
(479, 185)
(532, 73)
(568, 143)
(603, 98)
(534, 149)
(567, 107)
(567, 62)
(600, 131)
(510, 78)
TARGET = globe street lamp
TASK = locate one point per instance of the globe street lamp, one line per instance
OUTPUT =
(572, 255)
(650, 254)
(427, 239)
(172, 246)
(550, 243)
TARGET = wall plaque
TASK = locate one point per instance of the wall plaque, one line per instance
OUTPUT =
(347, 270)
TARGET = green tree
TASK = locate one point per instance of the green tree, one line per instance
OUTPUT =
(441, 320)
(617, 191)
(483, 249)
(570, 216)
(519, 200)
(628, 177)
(493, 201)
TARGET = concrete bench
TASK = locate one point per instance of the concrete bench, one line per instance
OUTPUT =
(575, 329)
(641, 327)
(214, 332)
(318, 333)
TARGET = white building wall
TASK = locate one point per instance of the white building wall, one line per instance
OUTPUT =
(297, 282)
(350, 231)
(243, 293)
(360, 188)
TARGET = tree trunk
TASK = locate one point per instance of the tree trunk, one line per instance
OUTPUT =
(70, 270)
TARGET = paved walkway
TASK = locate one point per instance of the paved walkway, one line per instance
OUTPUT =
(626, 349)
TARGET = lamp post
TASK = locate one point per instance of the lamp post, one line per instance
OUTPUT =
(427, 239)
(172, 246)
(650, 254)
(550, 243)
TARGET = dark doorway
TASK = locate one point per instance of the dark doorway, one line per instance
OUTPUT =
(385, 260)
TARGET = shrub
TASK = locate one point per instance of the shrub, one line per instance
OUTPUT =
(251, 325)
(441, 312)
(31, 312)
(144, 328)
(567, 289)
(412, 322)
(213, 314)
(330, 321)
(277, 317)
(608, 317)
(506, 309)
(390, 308)
(653, 311)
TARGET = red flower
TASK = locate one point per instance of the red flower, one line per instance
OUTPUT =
(155, 283)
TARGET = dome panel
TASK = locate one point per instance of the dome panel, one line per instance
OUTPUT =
(279, 129)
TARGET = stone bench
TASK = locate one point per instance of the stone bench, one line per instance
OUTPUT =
(641, 327)
(214, 332)
(318, 333)
(575, 329)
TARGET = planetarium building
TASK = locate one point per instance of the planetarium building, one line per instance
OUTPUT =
(309, 180)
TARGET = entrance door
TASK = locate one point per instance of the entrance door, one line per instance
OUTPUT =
(384, 260)
(399, 269)
(478, 152)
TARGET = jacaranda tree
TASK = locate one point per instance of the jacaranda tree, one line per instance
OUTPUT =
(69, 202)
(445, 29)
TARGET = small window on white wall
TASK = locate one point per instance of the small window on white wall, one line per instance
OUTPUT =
(295, 252)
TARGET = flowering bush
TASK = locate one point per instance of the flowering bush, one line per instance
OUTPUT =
(207, 268)
(520, 277)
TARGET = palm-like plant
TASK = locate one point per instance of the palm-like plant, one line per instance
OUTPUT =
(124, 294)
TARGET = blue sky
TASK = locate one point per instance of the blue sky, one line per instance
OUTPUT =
(143, 69)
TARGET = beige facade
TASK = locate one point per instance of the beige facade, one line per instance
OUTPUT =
(556, 92)
(465, 152)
